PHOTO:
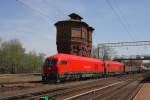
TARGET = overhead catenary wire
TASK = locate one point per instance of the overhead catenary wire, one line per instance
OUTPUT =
(38, 11)
(120, 19)
(123, 17)
(58, 11)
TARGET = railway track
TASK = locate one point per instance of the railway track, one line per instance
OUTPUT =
(63, 89)
(101, 92)
(92, 93)
(106, 86)
(114, 91)
(61, 94)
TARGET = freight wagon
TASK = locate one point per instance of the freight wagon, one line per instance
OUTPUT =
(132, 69)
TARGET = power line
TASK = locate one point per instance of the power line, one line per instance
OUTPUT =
(59, 13)
(40, 12)
(57, 9)
(120, 19)
(123, 16)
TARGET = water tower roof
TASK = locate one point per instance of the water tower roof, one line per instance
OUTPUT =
(75, 16)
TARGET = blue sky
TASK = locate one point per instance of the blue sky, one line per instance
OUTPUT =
(37, 32)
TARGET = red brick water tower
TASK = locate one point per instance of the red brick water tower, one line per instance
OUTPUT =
(74, 36)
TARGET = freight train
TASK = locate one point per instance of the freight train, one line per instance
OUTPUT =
(62, 67)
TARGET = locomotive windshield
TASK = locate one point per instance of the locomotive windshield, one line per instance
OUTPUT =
(51, 62)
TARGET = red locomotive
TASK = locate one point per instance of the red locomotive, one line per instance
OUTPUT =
(63, 67)
(113, 67)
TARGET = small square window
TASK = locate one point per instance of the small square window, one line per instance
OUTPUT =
(63, 62)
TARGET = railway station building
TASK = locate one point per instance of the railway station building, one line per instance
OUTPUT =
(74, 36)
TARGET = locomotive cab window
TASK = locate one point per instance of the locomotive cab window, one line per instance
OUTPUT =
(63, 62)
(50, 62)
